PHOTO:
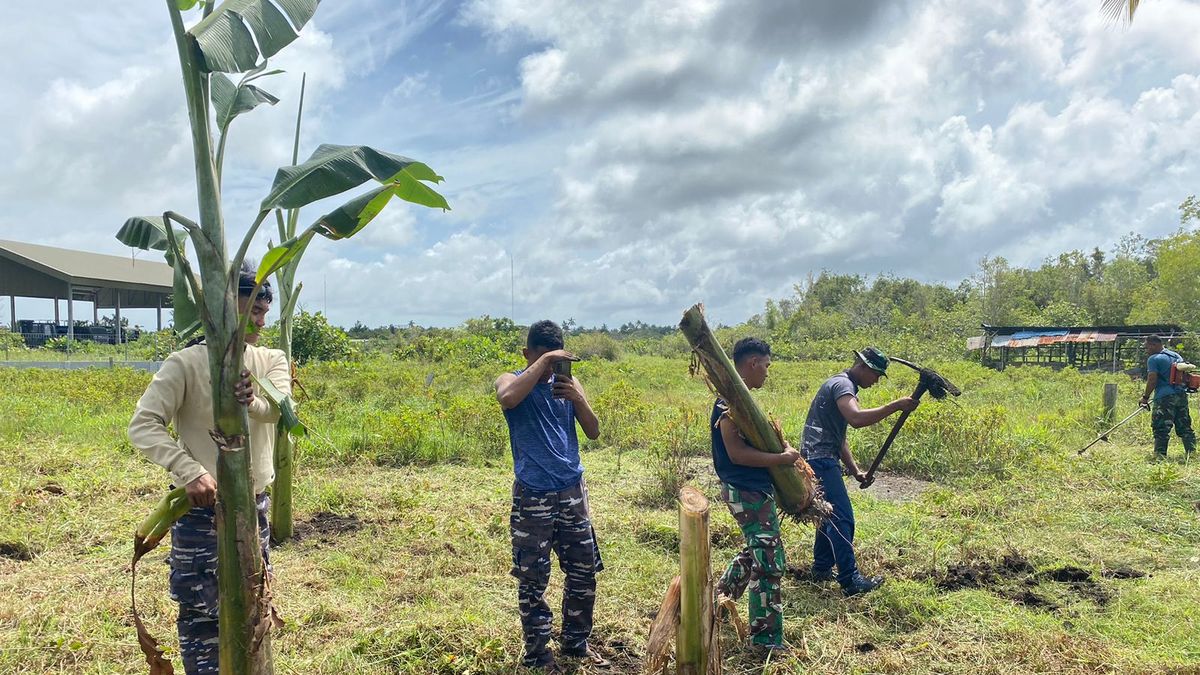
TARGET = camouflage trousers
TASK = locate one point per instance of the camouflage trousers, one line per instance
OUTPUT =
(1172, 411)
(539, 522)
(760, 563)
(193, 583)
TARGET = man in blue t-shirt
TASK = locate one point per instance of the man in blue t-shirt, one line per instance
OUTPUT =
(747, 490)
(549, 498)
(1170, 401)
(826, 449)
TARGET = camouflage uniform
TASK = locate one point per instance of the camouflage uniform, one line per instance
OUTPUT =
(193, 583)
(1172, 411)
(560, 520)
(761, 562)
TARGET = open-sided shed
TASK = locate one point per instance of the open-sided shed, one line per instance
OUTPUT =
(1084, 347)
(107, 281)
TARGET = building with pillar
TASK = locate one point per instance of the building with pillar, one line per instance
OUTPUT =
(106, 281)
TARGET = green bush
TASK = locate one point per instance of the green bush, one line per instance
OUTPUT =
(10, 341)
(314, 339)
(594, 346)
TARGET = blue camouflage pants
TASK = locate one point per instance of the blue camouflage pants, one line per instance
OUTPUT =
(193, 583)
(539, 522)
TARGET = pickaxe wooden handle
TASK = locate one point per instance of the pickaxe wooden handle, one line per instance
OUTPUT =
(922, 386)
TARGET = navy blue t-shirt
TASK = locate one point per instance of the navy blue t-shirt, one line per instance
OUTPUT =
(825, 428)
(545, 445)
(753, 478)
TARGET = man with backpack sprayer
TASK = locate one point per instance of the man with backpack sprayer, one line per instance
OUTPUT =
(1169, 387)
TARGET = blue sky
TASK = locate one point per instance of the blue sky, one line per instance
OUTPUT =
(633, 158)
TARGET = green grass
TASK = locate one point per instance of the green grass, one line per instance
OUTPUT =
(423, 587)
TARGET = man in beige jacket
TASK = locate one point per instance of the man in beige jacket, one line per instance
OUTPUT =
(181, 392)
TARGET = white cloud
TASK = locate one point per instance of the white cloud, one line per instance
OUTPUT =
(635, 157)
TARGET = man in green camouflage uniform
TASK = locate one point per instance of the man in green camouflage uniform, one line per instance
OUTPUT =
(1170, 401)
(747, 489)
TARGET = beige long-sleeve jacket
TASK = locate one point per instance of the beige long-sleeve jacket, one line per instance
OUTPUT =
(181, 392)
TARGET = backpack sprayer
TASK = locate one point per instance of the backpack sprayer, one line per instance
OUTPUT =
(1185, 375)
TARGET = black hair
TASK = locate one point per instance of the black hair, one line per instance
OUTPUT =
(1154, 339)
(749, 346)
(246, 277)
(544, 333)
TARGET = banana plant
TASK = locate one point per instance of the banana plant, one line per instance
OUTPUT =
(238, 36)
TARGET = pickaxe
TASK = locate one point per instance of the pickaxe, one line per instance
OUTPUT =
(929, 381)
(1104, 436)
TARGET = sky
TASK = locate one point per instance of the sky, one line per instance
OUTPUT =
(615, 161)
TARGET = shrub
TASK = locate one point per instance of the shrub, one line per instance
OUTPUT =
(314, 339)
(594, 346)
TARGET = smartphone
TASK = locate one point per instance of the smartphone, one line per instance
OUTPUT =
(562, 369)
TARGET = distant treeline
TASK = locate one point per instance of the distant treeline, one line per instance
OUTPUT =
(1139, 281)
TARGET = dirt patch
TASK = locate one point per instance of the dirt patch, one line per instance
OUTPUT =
(1014, 578)
(864, 647)
(15, 550)
(1122, 573)
(52, 489)
(896, 488)
(325, 526)
(958, 576)
(1032, 600)
(1068, 574)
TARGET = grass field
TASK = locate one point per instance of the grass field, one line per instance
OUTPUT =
(1019, 557)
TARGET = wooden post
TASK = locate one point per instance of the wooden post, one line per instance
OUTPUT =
(696, 649)
(1110, 404)
(12, 308)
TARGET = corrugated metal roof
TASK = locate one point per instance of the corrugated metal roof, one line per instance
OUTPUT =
(83, 268)
(1033, 339)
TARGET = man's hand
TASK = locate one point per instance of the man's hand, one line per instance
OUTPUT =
(547, 360)
(906, 404)
(568, 389)
(202, 491)
(1144, 402)
(859, 474)
(789, 455)
(244, 389)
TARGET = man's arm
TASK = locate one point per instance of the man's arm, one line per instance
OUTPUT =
(742, 453)
(859, 418)
(278, 374)
(148, 432)
(512, 389)
(1151, 385)
(573, 392)
(848, 462)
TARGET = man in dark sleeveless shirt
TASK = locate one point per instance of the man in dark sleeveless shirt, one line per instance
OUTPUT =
(747, 490)
(549, 498)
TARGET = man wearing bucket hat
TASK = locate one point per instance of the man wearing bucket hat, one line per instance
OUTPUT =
(825, 448)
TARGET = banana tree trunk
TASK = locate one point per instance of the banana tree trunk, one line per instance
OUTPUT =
(796, 488)
(281, 489)
(244, 610)
(285, 449)
(697, 651)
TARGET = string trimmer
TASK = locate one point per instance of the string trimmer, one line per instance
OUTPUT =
(1104, 436)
